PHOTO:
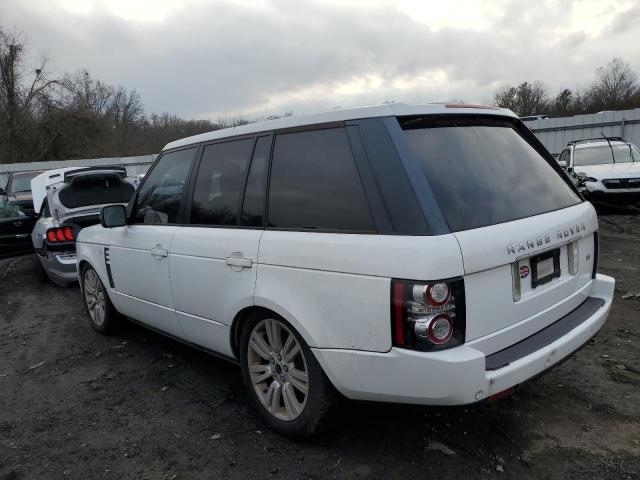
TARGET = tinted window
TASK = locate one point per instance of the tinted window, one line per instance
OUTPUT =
(483, 172)
(216, 199)
(162, 193)
(253, 205)
(95, 190)
(315, 184)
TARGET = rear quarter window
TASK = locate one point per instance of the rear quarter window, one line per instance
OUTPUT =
(315, 184)
(483, 172)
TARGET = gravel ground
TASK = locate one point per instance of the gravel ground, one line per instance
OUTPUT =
(75, 404)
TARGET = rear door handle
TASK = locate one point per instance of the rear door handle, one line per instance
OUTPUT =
(237, 261)
(158, 252)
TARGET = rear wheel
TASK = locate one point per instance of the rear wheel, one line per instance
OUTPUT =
(284, 380)
(103, 317)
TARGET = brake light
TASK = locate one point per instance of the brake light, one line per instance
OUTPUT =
(429, 315)
(60, 234)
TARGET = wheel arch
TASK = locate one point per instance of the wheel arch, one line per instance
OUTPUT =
(93, 256)
(247, 312)
(82, 264)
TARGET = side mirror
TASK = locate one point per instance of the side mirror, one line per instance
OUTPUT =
(113, 216)
(569, 169)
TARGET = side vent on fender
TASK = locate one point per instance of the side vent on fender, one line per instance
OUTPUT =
(107, 262)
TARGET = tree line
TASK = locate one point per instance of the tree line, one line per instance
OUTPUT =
(43, 117)
(614, 87)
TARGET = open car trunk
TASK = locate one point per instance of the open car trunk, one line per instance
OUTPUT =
(82, 196)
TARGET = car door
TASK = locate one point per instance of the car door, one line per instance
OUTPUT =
(213, 259)
(15, 229)
(138, 255)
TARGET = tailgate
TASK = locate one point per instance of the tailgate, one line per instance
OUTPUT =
(516, 270)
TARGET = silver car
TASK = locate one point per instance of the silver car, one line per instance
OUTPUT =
(66, 201)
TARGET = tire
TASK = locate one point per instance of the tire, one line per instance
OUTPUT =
(275, 362)
(102, 315)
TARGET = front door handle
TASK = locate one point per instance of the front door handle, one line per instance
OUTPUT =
(237, 261)
(158, 252)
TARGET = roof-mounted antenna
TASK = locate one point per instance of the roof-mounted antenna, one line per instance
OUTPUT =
(610, 147)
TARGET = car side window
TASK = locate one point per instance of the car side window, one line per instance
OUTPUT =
(9, 210)
(315, 184)
(564, 158)
(253, 204)
(219, 183)
(162, 193)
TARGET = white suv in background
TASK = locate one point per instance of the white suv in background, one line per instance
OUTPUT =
(418, 254)
(608, 168)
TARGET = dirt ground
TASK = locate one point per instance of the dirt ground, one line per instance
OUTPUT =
(75, 404)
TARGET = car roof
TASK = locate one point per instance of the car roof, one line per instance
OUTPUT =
(28, 172)
(387, 110)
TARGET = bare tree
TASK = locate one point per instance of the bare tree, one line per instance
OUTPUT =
(19, 96)
(615, 85)
(563, 103)
(525, 99)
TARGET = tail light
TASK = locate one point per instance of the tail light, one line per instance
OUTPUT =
(62, 234)
(427, 315)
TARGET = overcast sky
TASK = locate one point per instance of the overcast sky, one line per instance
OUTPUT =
(213, 59)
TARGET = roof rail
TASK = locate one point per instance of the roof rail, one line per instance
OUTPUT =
(617, 139)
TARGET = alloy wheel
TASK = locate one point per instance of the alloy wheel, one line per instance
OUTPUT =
(278, 369)
(94, 297)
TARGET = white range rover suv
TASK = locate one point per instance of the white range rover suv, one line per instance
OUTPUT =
(431, 254)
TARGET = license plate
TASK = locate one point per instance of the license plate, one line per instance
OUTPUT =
(545, 267)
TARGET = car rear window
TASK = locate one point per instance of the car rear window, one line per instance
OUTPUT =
(95, 190)
(21, 182)
(483, 172)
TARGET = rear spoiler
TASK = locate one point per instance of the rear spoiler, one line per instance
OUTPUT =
(120, 171)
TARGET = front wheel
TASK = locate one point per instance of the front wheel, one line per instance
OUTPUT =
(103, 317)
(284, 380)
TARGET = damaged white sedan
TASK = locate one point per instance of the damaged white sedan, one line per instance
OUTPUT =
(66, 201)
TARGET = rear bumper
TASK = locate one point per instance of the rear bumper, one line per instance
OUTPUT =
(457, 376)
(60, 267)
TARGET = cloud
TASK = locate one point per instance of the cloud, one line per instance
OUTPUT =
(215, 59)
